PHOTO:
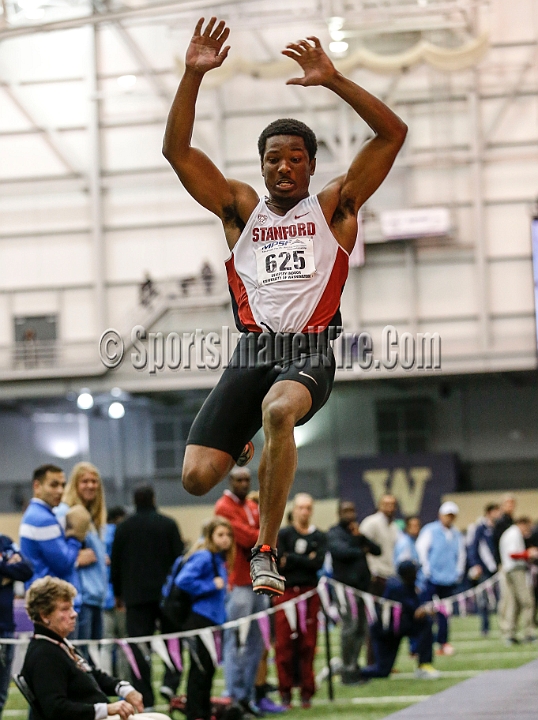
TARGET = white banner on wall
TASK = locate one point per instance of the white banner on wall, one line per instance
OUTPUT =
(415, 223)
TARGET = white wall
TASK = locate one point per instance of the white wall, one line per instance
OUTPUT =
(475, 287)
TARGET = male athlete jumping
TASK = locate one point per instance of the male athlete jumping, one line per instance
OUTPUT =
(287, 269)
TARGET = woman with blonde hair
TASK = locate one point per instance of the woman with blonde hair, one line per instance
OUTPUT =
(85, 488)
(204, 576)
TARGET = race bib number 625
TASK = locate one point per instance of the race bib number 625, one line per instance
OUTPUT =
(285, 260)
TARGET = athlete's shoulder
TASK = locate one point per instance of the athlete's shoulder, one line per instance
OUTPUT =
(245, 200)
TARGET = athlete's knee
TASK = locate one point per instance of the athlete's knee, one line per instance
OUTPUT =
(203, 468)
(278, 415)
(199, 478)
(194, 481)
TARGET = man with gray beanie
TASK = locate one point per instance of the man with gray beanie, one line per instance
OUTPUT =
(441, 551)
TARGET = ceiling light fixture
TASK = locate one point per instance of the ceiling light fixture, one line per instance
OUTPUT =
(126, 82)
(336, 23)
(85, 400)
(116, 411)
(338, 47)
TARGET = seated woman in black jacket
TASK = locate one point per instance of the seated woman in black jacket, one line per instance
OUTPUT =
(65, 687)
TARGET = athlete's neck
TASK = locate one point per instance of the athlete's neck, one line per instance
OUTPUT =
(281, 206)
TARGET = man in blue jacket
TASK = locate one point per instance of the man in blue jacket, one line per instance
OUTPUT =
(441, 551)
(43, 540)
(13, 567)
(481, 555)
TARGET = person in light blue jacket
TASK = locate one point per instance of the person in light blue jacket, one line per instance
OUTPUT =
(442, 556)
(204, 576)
(51, 549)
(85, 487)
(405, 548)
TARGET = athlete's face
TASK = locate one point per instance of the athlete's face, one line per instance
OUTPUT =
(286, 168)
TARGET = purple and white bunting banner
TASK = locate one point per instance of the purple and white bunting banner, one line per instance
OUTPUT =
(207, 637)
(291, 615)
(301, 614)
(341, 597)
(175, 652)
(369, 606)
(397, 616)
(324, 596)
(385, 615)
(242, 631)
(265, 630)
(127, 649)
(352, 602)
(158, 646)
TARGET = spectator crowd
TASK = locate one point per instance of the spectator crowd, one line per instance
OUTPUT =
(121, 574)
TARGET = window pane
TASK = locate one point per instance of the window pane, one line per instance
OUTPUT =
(387, 420)
(415, 417)
(163, 431)
(404, 425)
(165, 459)
(388, 443)
(416, 443)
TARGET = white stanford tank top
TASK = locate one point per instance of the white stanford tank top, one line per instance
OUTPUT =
(286, 273)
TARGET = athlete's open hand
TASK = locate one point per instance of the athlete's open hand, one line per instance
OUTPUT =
(317, 66)
(205, 51)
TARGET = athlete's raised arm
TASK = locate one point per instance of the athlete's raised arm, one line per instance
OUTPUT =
(199, 175)
(342, 198)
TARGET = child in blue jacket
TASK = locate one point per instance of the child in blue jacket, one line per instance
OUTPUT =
(204, 576)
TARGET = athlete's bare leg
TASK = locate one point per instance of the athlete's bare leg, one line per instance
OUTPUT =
(204, 467)
(283, 406)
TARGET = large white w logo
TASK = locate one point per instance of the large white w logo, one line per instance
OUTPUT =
(409, 491)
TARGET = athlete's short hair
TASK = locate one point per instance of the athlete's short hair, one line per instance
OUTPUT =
(289, 126)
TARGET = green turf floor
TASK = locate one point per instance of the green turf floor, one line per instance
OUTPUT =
(379, 698)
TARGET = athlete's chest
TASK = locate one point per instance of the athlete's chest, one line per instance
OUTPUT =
(282, 248)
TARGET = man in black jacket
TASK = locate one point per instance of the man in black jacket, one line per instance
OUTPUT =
(145, 546)
(301, 552)
(508, 506)
(348, 548)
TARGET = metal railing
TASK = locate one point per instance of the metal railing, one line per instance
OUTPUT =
(33, 359)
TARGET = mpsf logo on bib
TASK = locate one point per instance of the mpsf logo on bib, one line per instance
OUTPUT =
(285, 260)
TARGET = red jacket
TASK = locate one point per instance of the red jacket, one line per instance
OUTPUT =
(244, 517)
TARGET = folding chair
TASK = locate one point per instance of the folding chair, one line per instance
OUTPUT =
(28, 695)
